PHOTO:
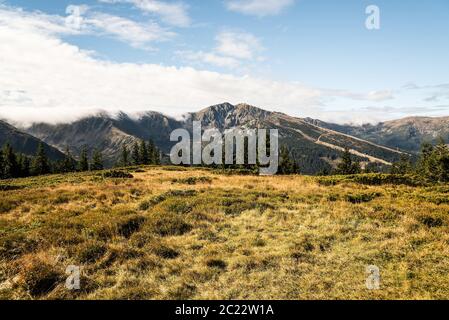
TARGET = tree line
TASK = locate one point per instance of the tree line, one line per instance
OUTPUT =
(140, 154)
(432, 164)
(17, 165)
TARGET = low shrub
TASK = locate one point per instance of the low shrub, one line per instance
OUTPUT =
(90, 252)
(165, 252)
(7, 187)
(371, 179)
(216, 264)
(431, 222)
(130, 226)
(168, 224)
(362, 197)
(40, 278)
(7, 205)
(192, 180)
(117, 174)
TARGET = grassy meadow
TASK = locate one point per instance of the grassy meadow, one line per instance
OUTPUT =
(186, 233)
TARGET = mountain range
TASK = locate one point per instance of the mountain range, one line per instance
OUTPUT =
(316, 145)
(407, 133)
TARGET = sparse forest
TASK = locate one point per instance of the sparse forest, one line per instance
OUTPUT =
(17, 165)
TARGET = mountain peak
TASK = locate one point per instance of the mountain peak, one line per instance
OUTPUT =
(226, 115)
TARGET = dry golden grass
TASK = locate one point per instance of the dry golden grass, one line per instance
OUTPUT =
(174, 233)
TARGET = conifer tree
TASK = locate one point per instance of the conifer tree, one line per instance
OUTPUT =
(2, 164)
(144, 156)
(25, 166)
(151, 152)
(40, 164)
(403, 166)
(441, 155)
(68, 164)
(83, 164)
(97, 161)
(11, 168)
(425, 160)
(156, 156)
(135, 154)
(347, 165)
(124, 161)
(287, 165)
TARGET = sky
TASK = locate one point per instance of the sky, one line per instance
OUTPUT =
(64, 59)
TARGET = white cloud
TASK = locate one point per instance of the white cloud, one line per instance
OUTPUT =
(375, 96)
(231, 50)
(209, 58)
(238, 45)
(259, 8)
(175, 14)
(81, 20)
(43, 78)
(136, 34)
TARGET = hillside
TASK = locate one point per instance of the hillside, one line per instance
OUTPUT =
(406, 134)
(315, 148)
(176, 233)
(25, 143)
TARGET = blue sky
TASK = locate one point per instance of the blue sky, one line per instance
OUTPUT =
(303, 57)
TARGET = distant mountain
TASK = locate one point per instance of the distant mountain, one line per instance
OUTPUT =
(106, 133)
(25, 143)
(316, 147)
(407, 134)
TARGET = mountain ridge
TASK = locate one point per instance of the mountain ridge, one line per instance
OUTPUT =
(407, 133)
(25, 143)
(316, 148)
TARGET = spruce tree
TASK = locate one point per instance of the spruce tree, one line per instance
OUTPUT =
(97, 161)
(135, 154)
(287, 165)
(156, 156)
(441, 156)
(424, 162)
(11, 168)
(40, 164)
(68, 164)
(403, 166)
(25, 166)
(144, 156)
(2, 164)
(151, 152)
(347, 165)
(83, 164)
(124, 161)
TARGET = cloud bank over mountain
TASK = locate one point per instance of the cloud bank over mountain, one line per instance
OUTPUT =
(46, 78)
